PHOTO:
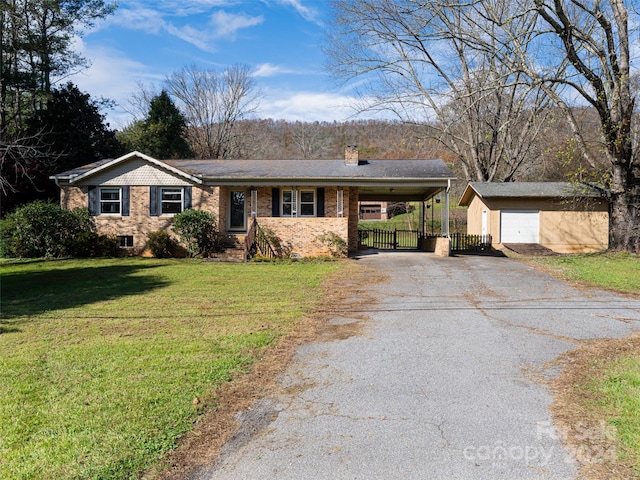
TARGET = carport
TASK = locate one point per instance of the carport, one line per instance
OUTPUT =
(426, 194)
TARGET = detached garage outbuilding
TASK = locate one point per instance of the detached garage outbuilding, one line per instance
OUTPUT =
(561, 216)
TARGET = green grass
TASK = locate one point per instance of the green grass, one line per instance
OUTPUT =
(615, 271)
(100, 360)
(614, 392)
(412, 221)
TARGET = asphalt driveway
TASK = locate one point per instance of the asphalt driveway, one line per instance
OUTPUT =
(445, 380)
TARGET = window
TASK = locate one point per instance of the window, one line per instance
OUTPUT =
(298, 202)
(110, 201)
(171, 200)
(125, 241)
(288, 203)
(307, 203)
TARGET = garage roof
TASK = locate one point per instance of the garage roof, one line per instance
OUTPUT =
(529, 190)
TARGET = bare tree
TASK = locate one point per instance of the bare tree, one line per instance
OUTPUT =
(416, 62)
(578, 52)
(595, 38)
(213, 102)
(21, 157)
(310, 140)
(140, 102)
(575, 52)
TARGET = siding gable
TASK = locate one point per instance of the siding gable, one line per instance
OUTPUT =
(134, 172)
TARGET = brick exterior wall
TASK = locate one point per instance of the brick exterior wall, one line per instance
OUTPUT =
(138, 223)
(301, 232)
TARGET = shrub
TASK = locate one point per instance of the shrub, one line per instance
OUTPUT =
(198, 231)
(335, 243)
(42, 229)
(161, 244)
(91, 244)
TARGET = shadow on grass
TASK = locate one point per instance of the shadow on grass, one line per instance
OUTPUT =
(27, 294)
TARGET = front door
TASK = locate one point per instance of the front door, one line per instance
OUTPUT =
(237, 210)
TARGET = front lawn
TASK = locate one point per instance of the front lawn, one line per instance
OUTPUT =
(615, 271)
(597, 395)
(597, 405)
(101, 360)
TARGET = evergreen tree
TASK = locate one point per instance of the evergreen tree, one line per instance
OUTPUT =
(37, 49)
(164, 130)
(74, 127)
(74, 133)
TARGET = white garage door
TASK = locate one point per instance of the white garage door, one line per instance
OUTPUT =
(519, 226)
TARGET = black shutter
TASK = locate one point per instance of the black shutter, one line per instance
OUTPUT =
(153, 201)
(320, 202)
(187, 197)
(275, 202)
(125, 201)
(93, 201)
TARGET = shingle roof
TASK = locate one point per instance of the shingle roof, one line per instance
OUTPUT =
(529, 190)
(314, 169)
(286, 170)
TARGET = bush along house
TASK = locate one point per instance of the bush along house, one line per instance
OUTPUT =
(301, 207)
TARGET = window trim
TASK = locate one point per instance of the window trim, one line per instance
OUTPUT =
(101, 202)
(123, 241)
(292, 203)
(296, 202)
(314, 203)
(161, 200)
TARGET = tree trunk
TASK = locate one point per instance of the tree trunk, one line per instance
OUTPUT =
(624, 211)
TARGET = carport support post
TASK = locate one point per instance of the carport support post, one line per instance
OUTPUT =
(445, 212)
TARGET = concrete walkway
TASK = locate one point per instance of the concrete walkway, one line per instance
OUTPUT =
(443, 383)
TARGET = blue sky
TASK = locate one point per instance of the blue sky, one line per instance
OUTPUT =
(280, 40)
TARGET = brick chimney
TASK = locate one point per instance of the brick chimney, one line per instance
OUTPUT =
(351, 155)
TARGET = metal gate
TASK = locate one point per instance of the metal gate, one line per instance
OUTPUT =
(389, 239)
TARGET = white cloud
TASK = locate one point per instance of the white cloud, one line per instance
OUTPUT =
(306, 106)
(115, 76)
(142, 19)
(156, 21)
(227, 24)
(308, 13)
(197, 38)
(270, 70)
(193, 7)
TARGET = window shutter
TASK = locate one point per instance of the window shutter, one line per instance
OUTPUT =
(275, 202)
(320, 202)
(254, 202)
(187, 197)
(153, 201)
(125, 201)
(294, 202)
(340, 203)
(93, 201)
